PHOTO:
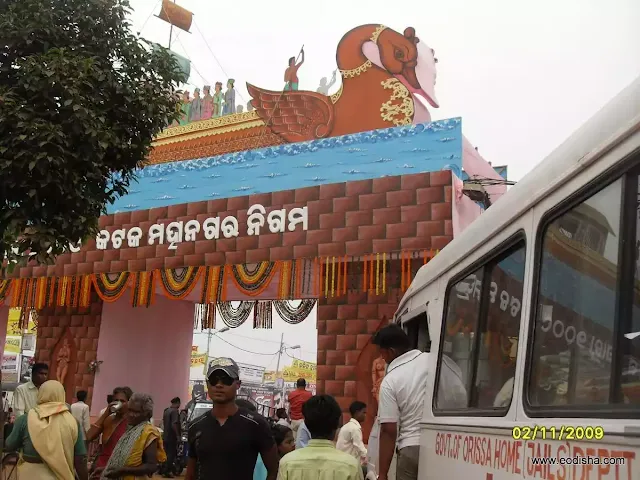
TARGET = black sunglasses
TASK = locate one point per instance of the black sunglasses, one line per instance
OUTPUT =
(224, 379)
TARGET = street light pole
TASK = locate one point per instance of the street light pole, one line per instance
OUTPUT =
(279, 356)
(280, 352)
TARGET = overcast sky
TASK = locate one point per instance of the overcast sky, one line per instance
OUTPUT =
(522, 75)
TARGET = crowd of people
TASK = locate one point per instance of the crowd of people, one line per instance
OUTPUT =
(51, 437)
(235, 442)
(232, 441)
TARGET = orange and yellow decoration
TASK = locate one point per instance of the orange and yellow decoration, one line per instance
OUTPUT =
(331, 276)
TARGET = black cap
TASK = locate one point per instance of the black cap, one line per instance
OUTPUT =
(225, 364)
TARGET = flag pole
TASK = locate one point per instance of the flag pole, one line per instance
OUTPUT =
(171, 31)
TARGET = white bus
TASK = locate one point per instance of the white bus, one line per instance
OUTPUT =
(538, 304)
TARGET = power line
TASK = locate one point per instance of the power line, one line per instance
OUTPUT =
(296, 358)
(247, 351)
(150, 14)
(252, 338)
(191, 61)
(216, 58)
(262, 340)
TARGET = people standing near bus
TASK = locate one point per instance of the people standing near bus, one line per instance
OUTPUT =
(401, 402)
(297, 399)
(225, 444)
(402, 398)
(350, 436)
(320, 459)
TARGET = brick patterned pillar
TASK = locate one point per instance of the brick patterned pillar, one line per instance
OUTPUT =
(345, 327)
(84, 327)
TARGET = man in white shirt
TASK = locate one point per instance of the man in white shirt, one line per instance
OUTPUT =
(25, 396)
(80, 411)
(402, 400)
(350, 436)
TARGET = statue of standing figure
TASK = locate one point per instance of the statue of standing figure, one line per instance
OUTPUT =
(291, 73)
(218, 98)
(196, 106)
(207, 103)
(230, 98)
(377, 374)
(185, 107)
(324, 86)
(63, 360)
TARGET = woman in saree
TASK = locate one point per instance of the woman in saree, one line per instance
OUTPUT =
(139, 451)
(51, 441)
(112, 425)
(218, 99)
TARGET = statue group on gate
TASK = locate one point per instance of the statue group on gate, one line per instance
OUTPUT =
(208, 104)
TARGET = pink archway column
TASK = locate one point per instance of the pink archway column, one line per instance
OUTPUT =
(147, 349)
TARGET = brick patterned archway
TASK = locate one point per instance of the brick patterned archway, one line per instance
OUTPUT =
(345, 327)
(384, 215)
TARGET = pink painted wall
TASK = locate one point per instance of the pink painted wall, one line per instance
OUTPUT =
(147, 349)
(4, 318)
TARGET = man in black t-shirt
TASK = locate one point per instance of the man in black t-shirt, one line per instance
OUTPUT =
(225, 444)
(171, 437)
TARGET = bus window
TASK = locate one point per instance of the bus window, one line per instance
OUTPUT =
(481, 334)
(463, 310)
(499, 337)
(418, 331)
(630, 339)
(585, 340)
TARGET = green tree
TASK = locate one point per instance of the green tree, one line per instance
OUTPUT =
(81, 98)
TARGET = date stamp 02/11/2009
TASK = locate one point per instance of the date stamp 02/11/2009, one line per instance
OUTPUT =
(563, 432)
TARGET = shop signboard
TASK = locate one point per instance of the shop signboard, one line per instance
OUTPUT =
(251, 374)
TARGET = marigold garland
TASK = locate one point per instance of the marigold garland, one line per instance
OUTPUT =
(232, 316)
(143, 289)
(318, 277)
(344, 276)
(286, 285)
(213, 287)
(110, 286)
(253, 281)
(178, 283)
(19, 292)
(51, 287)
(5, 289)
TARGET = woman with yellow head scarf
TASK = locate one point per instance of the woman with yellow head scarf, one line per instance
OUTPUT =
(51, 441)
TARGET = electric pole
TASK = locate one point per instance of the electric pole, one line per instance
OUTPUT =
(279, 356)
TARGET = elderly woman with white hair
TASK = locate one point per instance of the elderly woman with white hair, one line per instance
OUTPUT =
(139, 451)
